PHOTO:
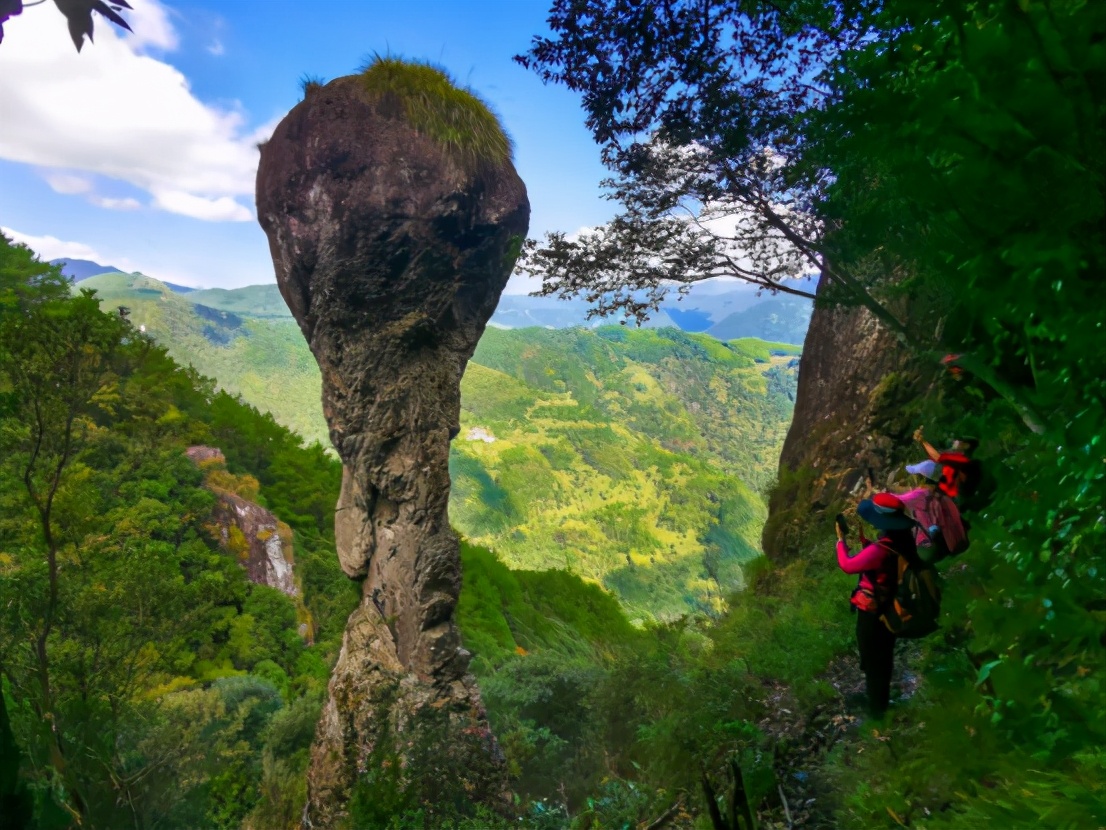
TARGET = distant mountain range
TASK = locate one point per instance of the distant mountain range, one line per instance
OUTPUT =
(724, 309)
(237, 335)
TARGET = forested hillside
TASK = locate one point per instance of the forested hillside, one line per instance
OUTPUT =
(941, 165)
(635, 458)
(146, 681)
(262, 358)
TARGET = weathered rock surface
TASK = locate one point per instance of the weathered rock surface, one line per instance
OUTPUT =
(260, 541)
(392, 256)
(268, 555)
(200, 455)
(854, 414)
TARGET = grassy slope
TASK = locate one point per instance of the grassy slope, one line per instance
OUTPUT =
(630, 457)
(252, 301)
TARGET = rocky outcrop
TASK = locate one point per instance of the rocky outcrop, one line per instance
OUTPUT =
(391, 251)
(201, 456)
(260, 542)
(265, 549)
(858, 401)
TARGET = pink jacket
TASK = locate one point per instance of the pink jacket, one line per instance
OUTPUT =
(932, 507)
(878, 567)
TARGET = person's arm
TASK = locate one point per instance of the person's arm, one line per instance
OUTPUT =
(869, 559)
(931, 451)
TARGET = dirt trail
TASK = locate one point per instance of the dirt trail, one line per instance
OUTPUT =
(804, 739)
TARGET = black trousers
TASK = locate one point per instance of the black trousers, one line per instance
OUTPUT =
(877, 658)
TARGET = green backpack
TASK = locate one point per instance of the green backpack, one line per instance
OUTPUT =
(916, 605)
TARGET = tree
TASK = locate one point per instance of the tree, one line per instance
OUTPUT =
(735, 134)
(78, 14)
(962, 150)
(56, 368)
(699, 107)
(117, 603)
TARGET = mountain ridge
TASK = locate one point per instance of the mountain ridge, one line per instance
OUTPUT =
(724, 310)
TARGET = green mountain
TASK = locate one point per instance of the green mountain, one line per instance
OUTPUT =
(780, 318)
(631, 457)
(634, 458)
(250, 301)
(264, 360)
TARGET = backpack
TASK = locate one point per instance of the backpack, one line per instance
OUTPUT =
(936, 535)
(916, 605)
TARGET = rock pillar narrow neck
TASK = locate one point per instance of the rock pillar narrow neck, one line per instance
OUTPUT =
(391, 253)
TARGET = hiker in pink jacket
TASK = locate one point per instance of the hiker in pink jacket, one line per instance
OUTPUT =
(877, 564)
(941, 531)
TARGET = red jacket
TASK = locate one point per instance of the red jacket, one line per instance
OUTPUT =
(952, 464)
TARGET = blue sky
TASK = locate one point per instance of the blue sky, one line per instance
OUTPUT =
(139, 151)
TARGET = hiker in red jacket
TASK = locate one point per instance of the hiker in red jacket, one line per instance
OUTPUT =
(961, 473)
(877, 565)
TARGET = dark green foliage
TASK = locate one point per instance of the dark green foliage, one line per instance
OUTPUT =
(502, 611)
(126, 634)
(264, 359)
(16, 802)
(426, 778)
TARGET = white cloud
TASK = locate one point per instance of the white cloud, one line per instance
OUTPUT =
(149, 21)
(116, 112)
(216, 48)
(116, 204)
(224, 209)
(68, 184)
(74, 185)
(50, 247)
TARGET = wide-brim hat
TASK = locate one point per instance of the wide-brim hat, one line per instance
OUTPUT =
(927, 469)
(885, 511)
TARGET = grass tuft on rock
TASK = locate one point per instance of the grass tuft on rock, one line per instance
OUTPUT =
(439, 109)
(311, 83)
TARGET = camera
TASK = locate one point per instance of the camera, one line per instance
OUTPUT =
(842, 525)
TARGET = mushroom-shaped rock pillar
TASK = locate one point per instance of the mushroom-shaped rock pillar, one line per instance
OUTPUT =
(394, 217)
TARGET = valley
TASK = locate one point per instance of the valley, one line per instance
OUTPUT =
(635, 458)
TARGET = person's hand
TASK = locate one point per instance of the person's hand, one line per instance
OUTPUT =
(918, 435)
(840, 533)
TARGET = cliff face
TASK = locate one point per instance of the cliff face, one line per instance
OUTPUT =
(267, 555)
(391, 253)
(260, 542)
(855, 410)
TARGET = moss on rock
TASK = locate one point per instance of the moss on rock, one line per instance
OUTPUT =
(436, 107)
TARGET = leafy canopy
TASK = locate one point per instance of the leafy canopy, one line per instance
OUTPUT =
(699, 108)
(78, 14)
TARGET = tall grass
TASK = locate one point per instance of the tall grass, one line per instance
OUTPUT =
(438, 108)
